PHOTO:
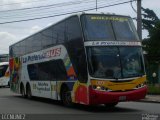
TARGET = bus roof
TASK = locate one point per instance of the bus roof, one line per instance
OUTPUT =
(78, 14)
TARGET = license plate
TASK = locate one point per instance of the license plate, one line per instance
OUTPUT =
(122, 98)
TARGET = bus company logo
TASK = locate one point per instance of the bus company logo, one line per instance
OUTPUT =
(115, 43)
(55, 52)
(109, 43)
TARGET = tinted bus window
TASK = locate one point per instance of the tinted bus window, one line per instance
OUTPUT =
(59, 31)
(75, 47)
(3, 70)
(50, 70)
(37, 42)
(97, 28)
(105, 27)
(124, 29)
(132, 61)
(104, 62)
(47, 38)
(73, 30)
(115, 62)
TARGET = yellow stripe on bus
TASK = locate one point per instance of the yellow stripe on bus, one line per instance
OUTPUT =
(116, 86)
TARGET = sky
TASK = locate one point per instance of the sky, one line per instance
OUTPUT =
(15, 10)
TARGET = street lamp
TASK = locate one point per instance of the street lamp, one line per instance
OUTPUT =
(154, 77)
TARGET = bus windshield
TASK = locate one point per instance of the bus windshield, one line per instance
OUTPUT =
(3, 69)
(103, 27)
(115, 62)
(4, 58)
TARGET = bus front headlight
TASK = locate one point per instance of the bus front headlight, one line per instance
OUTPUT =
(140, 85)
(100, 88)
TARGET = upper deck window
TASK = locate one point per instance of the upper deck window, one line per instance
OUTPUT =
(124, 29)
(103, 27)
(97, 28)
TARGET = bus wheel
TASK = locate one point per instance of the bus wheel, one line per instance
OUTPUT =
(22, 91)
(66, 97)
(111, 105)
(29, 93)
(8, 84)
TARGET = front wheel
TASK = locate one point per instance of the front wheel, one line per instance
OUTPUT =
(66, 97)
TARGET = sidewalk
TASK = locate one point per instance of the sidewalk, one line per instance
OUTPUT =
(151, 98)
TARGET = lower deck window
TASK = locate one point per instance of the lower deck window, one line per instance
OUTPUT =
(50, 70)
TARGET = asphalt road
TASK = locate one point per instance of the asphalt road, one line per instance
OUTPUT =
(38, 108)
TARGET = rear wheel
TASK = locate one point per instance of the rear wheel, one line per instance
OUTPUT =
(23, 91)
(66, 96)
(8, 84)
(29, 92)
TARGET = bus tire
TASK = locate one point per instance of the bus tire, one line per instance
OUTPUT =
(66, 96)
(111, 105)
(28, 92)
(8, 84)
(23, 91)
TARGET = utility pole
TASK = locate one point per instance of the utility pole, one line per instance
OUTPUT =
(139, 19)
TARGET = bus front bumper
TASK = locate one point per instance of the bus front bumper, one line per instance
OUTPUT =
(103, 97)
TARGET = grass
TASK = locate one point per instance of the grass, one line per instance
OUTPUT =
(152, 89)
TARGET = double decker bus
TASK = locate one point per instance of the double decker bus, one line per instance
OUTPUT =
(88, 59)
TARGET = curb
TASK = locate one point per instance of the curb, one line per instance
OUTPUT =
(149, 101)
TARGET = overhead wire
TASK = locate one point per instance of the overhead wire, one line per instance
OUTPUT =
(51, 5)
(20, 12)
(27, 2)
(65, 13)
(72, 11)
(31, 13)
(20, 9)
(2, 5)
(42, 8)
(38, 12)
(132, 6)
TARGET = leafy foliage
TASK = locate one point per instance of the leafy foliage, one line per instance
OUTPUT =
(151, 44)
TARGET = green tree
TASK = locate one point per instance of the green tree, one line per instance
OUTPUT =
(151, 23)
(149, 19)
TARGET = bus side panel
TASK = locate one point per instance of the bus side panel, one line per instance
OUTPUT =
(80, 91)
(14, 64)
